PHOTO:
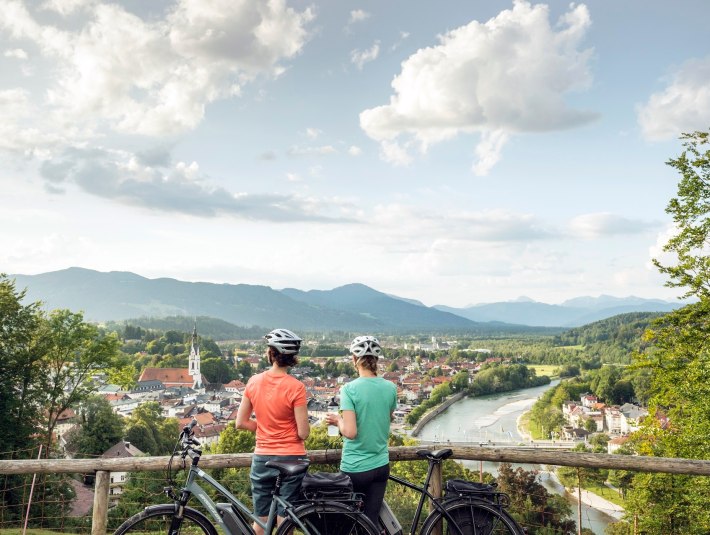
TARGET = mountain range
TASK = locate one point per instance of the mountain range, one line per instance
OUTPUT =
(570, 313)
(118, 296)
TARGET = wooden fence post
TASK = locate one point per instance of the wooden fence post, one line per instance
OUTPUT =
(99, 520)
(435, 488)
(579, 501)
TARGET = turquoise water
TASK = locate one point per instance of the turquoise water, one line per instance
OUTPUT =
(494, 418)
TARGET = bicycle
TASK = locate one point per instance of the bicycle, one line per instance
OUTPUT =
(310, 516)
(468, 508)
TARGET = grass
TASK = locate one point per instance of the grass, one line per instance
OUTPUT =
(605, 492)
(530, 427)
(545, 369)
(31, 531)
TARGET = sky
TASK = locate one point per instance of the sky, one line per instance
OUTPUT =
(454, 152)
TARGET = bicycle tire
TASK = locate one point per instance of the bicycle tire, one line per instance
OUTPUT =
(330, 518)
(155, 520)
(471, 517)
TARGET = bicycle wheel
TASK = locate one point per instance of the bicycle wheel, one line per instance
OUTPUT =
(156, 520)
(329, 519)
(471, 518)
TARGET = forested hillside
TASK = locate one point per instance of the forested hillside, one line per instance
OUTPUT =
(612, 340)
(214, 328)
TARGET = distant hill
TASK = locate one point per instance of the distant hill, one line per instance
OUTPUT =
(571, 313)
(213, 328)
(612, 339)
(123, 295)
(393, 311)
(120, 296)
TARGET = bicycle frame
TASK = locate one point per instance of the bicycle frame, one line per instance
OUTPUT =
(424, 493)
(192, 488)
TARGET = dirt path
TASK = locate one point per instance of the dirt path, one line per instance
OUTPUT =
(599, 503)
(84, 499)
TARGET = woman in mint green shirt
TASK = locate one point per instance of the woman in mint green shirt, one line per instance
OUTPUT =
(366, 406)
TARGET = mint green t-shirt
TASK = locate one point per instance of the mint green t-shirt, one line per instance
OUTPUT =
(373, 399)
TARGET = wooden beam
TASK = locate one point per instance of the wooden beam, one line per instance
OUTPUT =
(402, 453)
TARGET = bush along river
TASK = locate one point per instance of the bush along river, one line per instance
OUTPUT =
(493, 418)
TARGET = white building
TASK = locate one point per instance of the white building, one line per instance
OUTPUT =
(117, 480)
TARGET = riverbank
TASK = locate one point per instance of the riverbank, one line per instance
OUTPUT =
(436, 411)
(598, 503)
(588, 497)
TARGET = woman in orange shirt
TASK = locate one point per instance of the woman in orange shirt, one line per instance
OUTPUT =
(279, 402)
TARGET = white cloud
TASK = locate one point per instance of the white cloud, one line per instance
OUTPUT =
(323, 150)
(354, 150)
(603, 224)
(682, 107)
(403, 36)
(16, 53)
(66, 7)
(656, 252)
(155, 77)
(360, 57)
(505, 76)
(394, 153)
(17, 131)
(293, 177)
(358, 15)
(313, 133)
(180, 189)
(488, 151)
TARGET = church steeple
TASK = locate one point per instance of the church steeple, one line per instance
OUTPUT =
(194, 361)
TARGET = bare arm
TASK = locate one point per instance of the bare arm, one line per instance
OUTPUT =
(347, 424)
(244, 420)
(302, 425)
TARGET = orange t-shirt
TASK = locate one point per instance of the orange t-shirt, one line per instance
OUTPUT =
(273, 398)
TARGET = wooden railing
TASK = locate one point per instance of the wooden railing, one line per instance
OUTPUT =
(103, 467)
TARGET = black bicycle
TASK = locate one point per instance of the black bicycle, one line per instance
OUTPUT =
(316, 514)
(467, 508)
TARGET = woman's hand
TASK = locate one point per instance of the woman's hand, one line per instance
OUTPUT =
(332, 419)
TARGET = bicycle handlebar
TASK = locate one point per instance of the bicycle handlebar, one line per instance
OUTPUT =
(187, 439)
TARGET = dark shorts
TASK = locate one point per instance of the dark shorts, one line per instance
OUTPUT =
(263, 482)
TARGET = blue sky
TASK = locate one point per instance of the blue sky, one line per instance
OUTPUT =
(452, 152)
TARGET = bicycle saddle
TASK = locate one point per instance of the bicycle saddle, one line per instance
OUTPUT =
(437, 455)
(289, 468)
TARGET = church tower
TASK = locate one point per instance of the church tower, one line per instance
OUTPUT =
(194, 361)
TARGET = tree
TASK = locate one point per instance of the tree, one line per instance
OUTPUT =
(21, 395)
(75, 352)
(216, 370)
(679, 362)
(99, 428)
(460, 381)
(21, 351)
(691, 215)
(150, 432)
(603, 385)
(531, 503)
(233, 440)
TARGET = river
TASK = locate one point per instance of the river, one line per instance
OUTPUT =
(494, 418)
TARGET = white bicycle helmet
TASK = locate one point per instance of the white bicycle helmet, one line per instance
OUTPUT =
(284, 341)
(363, 346)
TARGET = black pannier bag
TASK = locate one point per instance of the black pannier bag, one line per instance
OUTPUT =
(327, 485)
(461, 487)
(321, 487)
